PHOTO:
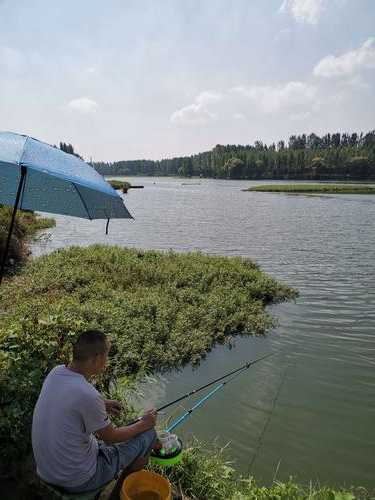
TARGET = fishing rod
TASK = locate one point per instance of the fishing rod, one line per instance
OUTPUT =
(211, 393)
(171, 451)
(208, 384)
(244, 367)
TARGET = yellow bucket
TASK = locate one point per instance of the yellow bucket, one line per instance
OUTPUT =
(145, 485)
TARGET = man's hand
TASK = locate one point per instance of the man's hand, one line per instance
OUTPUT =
(110, 434)
(149, 418)
(113, 407)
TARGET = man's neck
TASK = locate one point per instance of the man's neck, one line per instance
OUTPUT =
(81, 369)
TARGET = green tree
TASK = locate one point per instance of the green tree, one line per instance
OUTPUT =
(234, 168)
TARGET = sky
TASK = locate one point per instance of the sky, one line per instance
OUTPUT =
(151, 79)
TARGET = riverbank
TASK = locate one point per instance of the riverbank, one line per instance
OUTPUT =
(206, 474)
(26, 227)
(314, 189)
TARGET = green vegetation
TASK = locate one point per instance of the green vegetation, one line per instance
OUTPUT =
(333, 156)
(121, 185)
(27, 224)
(160, 310)
(314, 188)
(205, 474)
(68, 148)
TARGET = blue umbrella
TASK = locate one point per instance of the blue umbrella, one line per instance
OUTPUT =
(37, 176)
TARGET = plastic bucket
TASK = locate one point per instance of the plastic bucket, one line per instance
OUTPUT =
(145, 485)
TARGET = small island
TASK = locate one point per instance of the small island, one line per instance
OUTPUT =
(314, 189)
(119, 185)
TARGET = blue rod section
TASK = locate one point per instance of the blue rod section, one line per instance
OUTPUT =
(197, 405)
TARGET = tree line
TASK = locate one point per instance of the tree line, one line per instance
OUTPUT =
(332, 156)
(68, 148)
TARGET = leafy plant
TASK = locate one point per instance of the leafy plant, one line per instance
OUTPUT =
(25, 227)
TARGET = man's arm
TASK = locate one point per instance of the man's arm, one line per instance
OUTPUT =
(110, 434)
(113, 407)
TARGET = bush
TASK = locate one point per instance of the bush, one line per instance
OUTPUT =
(120, 185)
(26, 224)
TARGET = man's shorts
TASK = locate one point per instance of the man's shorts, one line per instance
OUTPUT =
(113, 458)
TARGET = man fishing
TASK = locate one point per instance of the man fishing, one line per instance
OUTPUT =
(68, 413)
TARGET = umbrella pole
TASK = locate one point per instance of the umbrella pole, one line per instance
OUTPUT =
(6, 249)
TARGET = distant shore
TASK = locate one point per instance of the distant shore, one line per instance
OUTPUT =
(314, 189)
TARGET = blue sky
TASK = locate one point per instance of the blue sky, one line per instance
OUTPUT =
(126, 79)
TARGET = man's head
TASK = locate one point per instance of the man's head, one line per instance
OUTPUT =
(91, 351)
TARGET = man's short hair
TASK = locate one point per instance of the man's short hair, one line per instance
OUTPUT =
(89, 344)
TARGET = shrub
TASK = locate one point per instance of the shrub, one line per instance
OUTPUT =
(120, 185)
(26, 224)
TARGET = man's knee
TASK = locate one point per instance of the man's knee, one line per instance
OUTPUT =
(149, 439)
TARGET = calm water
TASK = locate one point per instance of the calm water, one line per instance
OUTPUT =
(309, 411)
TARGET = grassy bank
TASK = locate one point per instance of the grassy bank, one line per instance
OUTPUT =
(314, 188)
(27, 224)
(119, 185)
(205, 474)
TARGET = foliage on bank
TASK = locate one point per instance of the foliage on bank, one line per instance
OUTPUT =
(205, 474)
(119, 185)
(159, 310)
(332, 156)
(27, 224)
(314, 188)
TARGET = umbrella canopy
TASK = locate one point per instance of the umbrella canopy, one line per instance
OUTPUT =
(55, 181)
(37, 176)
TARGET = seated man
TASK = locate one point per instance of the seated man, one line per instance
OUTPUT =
(69, 410)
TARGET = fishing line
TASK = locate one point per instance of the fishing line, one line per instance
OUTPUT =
(171, 449)
(209, 395)
(208, 384)
(237, 372)
(268, 419)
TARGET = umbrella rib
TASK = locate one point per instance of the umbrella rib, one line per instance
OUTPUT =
(83, 201)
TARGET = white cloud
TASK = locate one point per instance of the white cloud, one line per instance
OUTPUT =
(83, 105)
(304, 11)
(199, 112)
(239, 116)
(207, 97)
(272, 99)
(348, 64)
(244, 102)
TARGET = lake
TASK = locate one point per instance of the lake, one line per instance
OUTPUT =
(309, 411)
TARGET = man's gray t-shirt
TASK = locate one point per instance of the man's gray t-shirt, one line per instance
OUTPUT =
(69, 409)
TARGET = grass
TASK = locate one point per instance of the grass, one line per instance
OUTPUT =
(314, 188)
(120, 185)
(26, 226)
(205, 474)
